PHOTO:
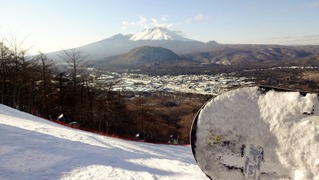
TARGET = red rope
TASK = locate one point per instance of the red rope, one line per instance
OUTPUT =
(113, 135)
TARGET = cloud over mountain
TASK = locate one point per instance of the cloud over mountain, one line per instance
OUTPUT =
(143, 22)
(198, 17)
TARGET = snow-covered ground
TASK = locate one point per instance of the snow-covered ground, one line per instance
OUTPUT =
(281, 128)
(34, 148)
(199, 84)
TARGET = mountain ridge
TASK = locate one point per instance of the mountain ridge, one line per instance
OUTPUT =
(194, 52)
(120, 44)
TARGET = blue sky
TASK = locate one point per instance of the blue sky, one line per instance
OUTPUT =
(50, 25)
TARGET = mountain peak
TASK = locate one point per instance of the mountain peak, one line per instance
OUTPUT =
(157, 34)
(119, 35)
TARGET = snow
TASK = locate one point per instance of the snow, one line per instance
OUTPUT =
(34, 148)
(282, 123)
(157, 33)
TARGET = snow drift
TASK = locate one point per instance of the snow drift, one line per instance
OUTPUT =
(284, 124)
(34, 148)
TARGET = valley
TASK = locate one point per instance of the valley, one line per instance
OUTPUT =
(197, 84)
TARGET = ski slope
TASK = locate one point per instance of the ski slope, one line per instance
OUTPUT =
(34, 148)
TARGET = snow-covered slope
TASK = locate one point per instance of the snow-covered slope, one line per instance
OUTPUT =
(34, 148)
(157, 34)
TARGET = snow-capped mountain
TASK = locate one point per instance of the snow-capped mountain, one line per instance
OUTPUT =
(157, 37)
(158, 34)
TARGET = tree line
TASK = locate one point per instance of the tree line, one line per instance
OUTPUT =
(38, 86)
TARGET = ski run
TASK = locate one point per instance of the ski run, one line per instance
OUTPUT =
(34, 148)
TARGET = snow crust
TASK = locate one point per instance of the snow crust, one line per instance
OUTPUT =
(284, 124)
(157, 33)
(34, 148)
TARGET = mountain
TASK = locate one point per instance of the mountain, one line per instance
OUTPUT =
(196, 52)
(158, 37)
(253, 54)
(35, 148)
(142, 55)
(155, 34)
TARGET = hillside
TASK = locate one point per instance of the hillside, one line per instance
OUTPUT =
(254, 54)
(142, 55)
(221, 58)
(34, 148)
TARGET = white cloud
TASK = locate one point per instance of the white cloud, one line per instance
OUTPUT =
(157, 23)
(164, 18)
(143, 22)
(154, 21)
(127, 25)
(198, 17)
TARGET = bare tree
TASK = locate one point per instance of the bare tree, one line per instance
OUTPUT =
(5, 56)
(76, 62)
(18, 60)
(46, 68)
(13, 65)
